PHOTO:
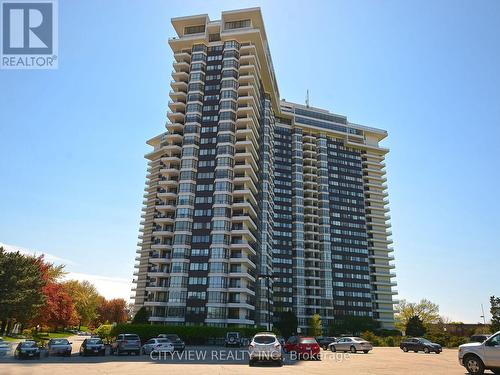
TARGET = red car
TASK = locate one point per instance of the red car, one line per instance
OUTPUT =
(303, 347)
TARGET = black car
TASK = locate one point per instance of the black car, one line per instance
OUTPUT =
(325, 341)
(92, 346)
(27, 349)
(420, 344)
(176, 341)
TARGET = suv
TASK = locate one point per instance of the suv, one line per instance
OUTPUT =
(420, 344)
(232, 339)
(477, 357)
(126, 343)
(59, 346)
(265, 346)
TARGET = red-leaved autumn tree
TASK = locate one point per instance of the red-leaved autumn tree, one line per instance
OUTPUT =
(112, 311)
(59, 309)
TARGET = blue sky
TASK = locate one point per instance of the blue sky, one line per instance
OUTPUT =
(72, 140)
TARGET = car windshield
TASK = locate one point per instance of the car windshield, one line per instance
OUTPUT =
(162, 340)
(172, 337)
(59, 342)
(264, 339)
(28, 344)
(424, 341)
(232, 335)
(307, 340)
(95, 341)
(131, 337)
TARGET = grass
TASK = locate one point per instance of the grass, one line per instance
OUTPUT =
(10, 339)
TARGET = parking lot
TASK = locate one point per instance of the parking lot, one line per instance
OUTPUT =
(218, 360)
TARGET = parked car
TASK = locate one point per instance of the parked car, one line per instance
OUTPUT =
(92, 346)
(265, 346)
(477, 357)
(59, 346)
(303, 347)
(4, 347)
(351, 344)
(418, 344)
(479, 338)
(232, 339)
(176, 341)
(158, 345)
(27, 349)
(325, 341)
(126, 343)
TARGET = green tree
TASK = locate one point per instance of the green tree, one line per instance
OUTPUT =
(104, 332)
(21, 283)
(287, 323)
(354, 325)
(427, 312)
(141, 316)
(495, 313)
(315, 327)
(85, 298)
(415, 327)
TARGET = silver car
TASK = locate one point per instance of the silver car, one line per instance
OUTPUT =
(59, 346)
(265, 346)
(350, 344)
(157, 345)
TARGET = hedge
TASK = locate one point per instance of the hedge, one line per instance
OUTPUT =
(192, 335)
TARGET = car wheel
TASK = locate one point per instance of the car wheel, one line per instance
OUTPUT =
(474, 365)
(426, 350)
(405, 349)
(251, 363)
(353, 349)
(416, 351)
(333, 348)
(365, 351)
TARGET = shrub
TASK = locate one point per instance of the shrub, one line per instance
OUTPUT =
(192, 335)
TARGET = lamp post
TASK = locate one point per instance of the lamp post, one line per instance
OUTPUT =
(267, 277)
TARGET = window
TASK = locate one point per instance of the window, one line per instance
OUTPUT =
(237, 25)
(198, 29)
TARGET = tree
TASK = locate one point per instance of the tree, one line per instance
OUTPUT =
(425, 310)
(495, 313)
(315, 328)
(353, 325)
(104, 332)
(287, 323)
(21, 284)
(415, 327)
(59, 310)
(85, 298)
(141, 316)
(112, 311)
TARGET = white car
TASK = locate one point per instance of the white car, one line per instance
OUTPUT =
(4, 347)
(157, 345)
(477, 357)
(59, 346)
(265, 346)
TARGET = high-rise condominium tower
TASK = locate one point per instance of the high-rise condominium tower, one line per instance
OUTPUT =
(254, 205)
